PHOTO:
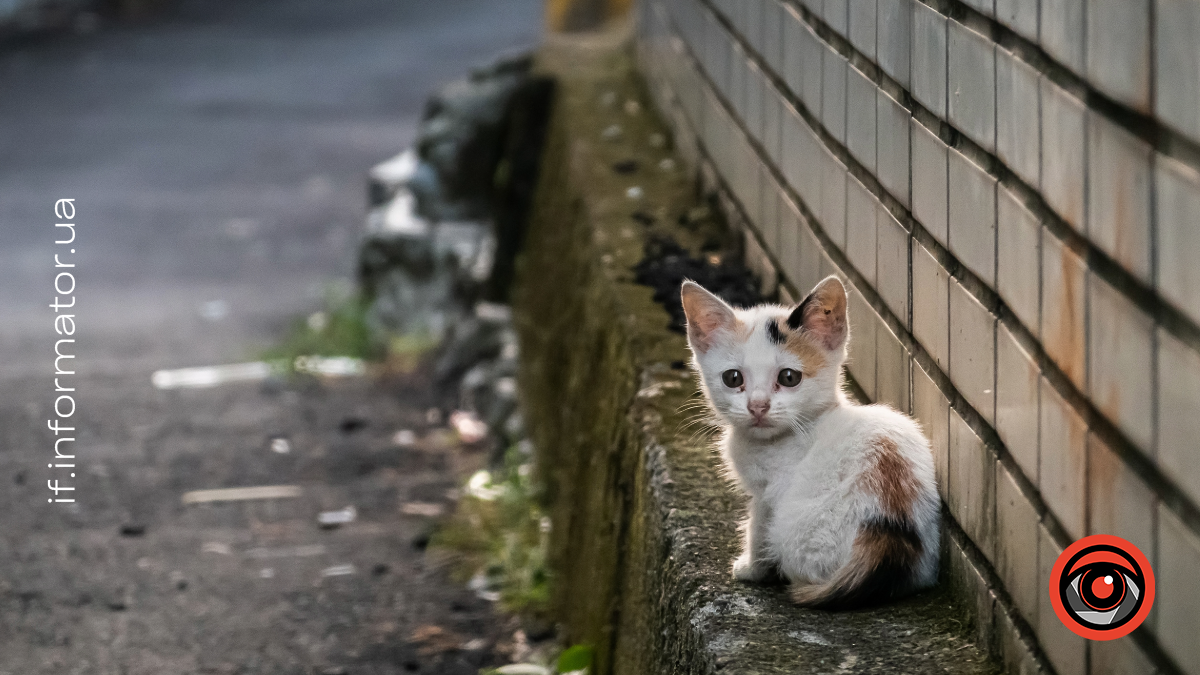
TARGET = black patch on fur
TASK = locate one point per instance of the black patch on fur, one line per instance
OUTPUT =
(773, 332)
(891, 576)
(796, 319)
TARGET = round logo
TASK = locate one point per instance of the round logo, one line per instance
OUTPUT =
(1102, 587)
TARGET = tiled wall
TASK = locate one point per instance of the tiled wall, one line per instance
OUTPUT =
(1012, 188)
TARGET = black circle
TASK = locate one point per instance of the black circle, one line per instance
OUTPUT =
(732, 378)
(1091, 571)
(789, 377)
(1087, 576)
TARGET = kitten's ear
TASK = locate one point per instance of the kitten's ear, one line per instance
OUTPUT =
(706, 314)
(823, 313)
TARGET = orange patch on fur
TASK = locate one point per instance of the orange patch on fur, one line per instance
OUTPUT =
(891, 479)
(812, 357)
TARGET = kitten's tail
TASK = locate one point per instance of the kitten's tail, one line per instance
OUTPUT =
(883, 565)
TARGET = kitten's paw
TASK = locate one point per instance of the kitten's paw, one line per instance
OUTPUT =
(745, 570)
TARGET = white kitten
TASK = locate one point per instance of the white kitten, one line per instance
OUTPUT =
(842, 497)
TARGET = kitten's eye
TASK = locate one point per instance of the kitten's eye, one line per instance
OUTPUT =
(789, 377)
(732, 378)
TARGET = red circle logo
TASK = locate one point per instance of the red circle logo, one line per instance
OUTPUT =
(1102, 587)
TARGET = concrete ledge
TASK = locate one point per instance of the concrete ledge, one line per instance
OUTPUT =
(645, 528)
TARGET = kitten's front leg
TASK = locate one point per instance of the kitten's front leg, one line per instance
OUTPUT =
(754, 564)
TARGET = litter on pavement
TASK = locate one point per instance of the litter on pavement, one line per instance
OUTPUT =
(210, 376)
(470, 428)
(242, 494)
(338, 571)
(332, 519)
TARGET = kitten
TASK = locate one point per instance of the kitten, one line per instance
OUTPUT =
(843, 502)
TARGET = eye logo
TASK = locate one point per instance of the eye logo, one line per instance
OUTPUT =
(1102, 587)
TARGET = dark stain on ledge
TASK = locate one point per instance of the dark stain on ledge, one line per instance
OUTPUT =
(666, 265)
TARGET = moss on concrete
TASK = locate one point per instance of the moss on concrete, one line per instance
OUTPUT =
(645, 528)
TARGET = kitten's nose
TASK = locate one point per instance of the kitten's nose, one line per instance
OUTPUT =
(758, 408)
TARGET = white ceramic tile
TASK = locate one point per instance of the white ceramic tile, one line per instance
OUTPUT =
(972, 84)
(1178, 421)
(1122, 367)
(892, 269)
(972, 485)
(929, 58)
(931, 305)
(1018, 119)
(973, 351)
(1118, 50)
(972, 217)
(1062, 460)
(861, 208)
(1017, 543)
(1119, 195)
(892, 146)
(1177, 65)
(1178, 202)
(929, 181)
(1017, 397)
(1063, 284)
(1018, 258)
(1063, 167)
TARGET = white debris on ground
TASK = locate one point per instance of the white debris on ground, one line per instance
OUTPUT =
(523, 669)
(241, 494)
(469, 427)
(332, 519)
(336, 366)
(214, 310)
(480, 486)
(211, 376)
(338, 571)
(217, 547)
(426, 509)
(301, 551)
(482, 586)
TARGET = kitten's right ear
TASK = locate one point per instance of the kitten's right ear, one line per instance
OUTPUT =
(706, 314)
(823, 313)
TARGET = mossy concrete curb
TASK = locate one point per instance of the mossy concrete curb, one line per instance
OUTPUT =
(645, 527)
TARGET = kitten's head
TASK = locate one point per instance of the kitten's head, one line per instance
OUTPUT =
(769, 368)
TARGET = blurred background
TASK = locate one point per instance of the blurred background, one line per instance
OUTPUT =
(217, 153)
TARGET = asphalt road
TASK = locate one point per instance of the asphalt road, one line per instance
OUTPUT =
(217, 154)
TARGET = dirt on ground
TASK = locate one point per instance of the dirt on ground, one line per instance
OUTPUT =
(139, 582)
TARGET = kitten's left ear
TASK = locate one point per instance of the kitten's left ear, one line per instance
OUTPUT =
(823, 313)
(706, 314)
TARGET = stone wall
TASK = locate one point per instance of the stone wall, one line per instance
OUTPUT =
(1011, 189)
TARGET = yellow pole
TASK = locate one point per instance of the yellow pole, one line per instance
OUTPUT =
(567, 16)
